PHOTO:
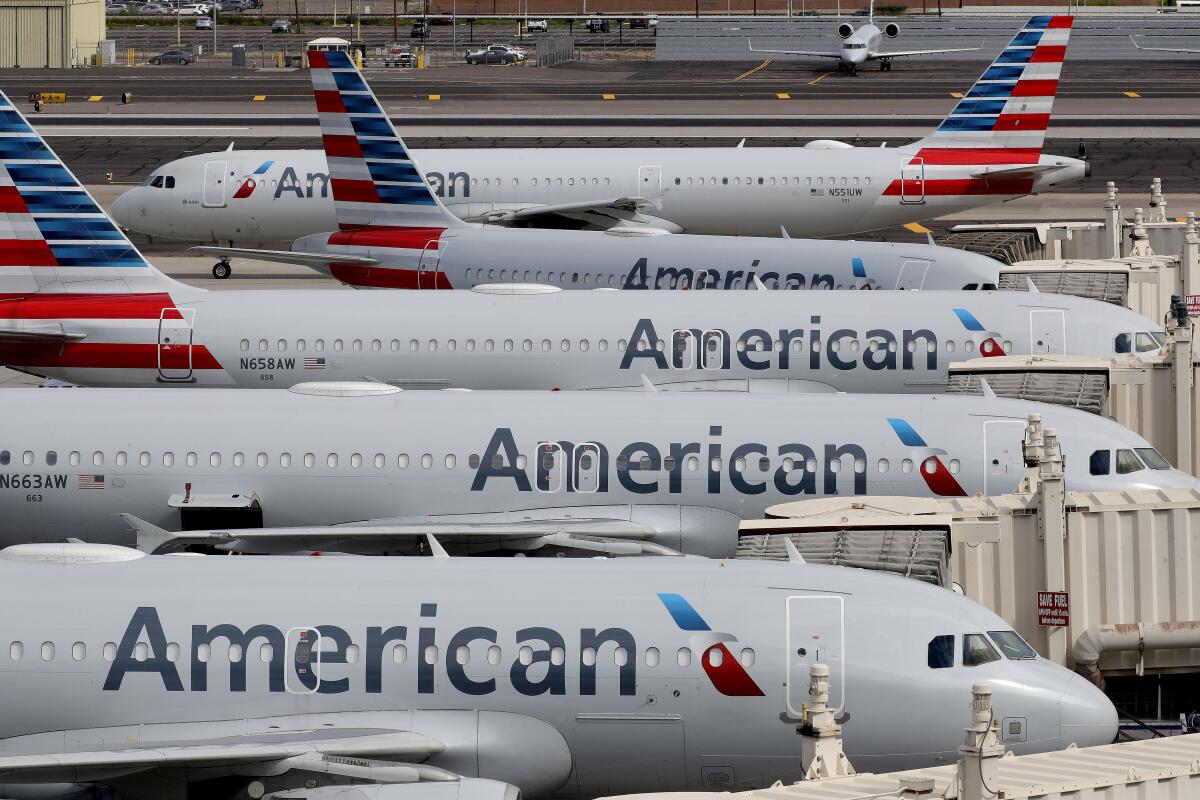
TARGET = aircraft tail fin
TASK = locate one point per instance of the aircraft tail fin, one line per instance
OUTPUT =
(1003, 118)
(54, 237)
(374, 179)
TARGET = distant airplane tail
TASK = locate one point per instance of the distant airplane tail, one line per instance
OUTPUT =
(54, 237)
(376, 184)
(1003, 118)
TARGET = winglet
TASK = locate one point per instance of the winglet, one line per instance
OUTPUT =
(151, 539)
(783, 232)
(929, 237)
(648, 384)
(792, 553)
(758, 284)
(435, 547)
(741, 144)
(986, 388)
(1031, 286)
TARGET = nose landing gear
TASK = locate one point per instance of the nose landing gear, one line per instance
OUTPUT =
(221, 270)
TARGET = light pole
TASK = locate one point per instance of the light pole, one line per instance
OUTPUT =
(214, 19)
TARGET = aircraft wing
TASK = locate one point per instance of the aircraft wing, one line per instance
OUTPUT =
(315, 260)
(813, 53)
(1164, 49)
(269, 750)
(602, 206)
(609, 535)
(902, 53)
(34, 334)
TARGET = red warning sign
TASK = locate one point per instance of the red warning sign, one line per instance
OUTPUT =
(1054, 609)
(1193, 304)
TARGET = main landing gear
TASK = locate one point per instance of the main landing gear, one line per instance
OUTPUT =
(222, 270)
(885, 65)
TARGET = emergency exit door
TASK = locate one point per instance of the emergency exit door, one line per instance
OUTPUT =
(216, 174)
(816, 632)
(650, 181)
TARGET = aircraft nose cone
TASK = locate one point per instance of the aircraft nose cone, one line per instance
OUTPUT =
(123, 209)
(1087, 716)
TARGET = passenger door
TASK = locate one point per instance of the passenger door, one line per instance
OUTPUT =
(215, 175)
(175, 344)
(1003, 455)
(912, 274)
(650, 181)
(912, 181)
(1048, 331)
(816, 631)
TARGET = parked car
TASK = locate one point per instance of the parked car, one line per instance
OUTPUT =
(497, 54)
(115, 8)
(537, 26)
(441, 20)
(281, 26)
(154, 8)
(234, 5)
(194, 10)
(595, 25)
(181, 57)
(397, 55)
(420, 30)
(643, 22)
(204, 24)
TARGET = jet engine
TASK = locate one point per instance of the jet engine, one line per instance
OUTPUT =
(845, 29)
(892, 30)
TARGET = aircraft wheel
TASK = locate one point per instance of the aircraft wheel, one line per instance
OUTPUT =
(222, 270)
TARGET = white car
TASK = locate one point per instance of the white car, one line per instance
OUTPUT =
(193, 10)
(537, 26)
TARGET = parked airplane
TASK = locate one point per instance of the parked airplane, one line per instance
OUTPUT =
(505, 470)
(989, 149)
(82, 305)
(250, 677)
(862, 45)
(1162, 49)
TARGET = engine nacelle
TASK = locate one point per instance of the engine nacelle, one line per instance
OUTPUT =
(845, 29)
(891, 30)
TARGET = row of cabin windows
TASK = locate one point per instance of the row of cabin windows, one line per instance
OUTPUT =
(357, 460)
(681, 339)
(399, 654)
(567, 181)
(737, 180)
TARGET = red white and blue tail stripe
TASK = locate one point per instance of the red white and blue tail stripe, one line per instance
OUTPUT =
(375, 182)
(54, 237)
(1002, 120)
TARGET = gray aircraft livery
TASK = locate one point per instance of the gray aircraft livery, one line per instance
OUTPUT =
(169, 677)
(394, 232)
(507, 470)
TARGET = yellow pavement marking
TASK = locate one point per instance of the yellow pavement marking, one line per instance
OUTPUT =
(1132, 94)
(96, 98)
(260, 97)
(818, 80)
(608, 97)
(750, 72)
(1181, 219)
(435, 97)
(917, 227)
(959, 95)
(783, 95)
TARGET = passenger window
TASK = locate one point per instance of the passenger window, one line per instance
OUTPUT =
(652, 652)
(356, 460)
(332, 460)
(426, 461)
(47, 651)
(380, 461)
(1127, 462)
(168, 459)
(1100, 462)
(1012, 645)
(244, 344)
(262, 344)
(684, 657)
(978, 650)
(51, 458)
(402, 461)
(74, 458)
(97, 459)
(192, 459)
(285, 460)
(122, 458)
(109, 651)
(16, 651)
(310, 460)
(261, 460)
(747, 657)
(941, 652)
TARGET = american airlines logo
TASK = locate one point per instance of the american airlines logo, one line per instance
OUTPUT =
(324, 659)
(316, 184)
(685, 278)
(760, 349)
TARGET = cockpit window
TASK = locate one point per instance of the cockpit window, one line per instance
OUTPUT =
(941, 652)
(971, 287)
(1152, 458)
(1101, 462)
(1147, 343)
(1123, 343)
(157, 181)
(1159, 337)
(978, 650)
(1127, 462)
(170, 182)
(1012, 645)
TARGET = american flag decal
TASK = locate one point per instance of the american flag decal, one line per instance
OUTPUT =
(314, 363)
(91, 481)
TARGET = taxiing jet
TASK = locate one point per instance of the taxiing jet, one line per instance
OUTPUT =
(488, 471)
(82, 305)
(862, 45)
(475, 679)
(989, 149)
